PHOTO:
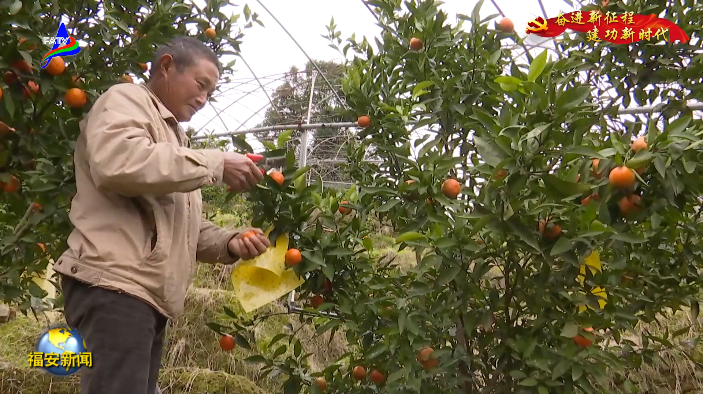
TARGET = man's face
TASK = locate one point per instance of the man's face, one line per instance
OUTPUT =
(188, 91)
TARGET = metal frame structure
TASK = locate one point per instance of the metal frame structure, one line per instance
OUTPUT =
(308, 125)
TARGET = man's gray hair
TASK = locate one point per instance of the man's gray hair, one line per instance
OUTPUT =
(185, 51)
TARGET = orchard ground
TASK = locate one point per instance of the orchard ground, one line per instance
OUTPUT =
(194, 363)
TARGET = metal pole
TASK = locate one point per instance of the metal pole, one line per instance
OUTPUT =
(306, 134)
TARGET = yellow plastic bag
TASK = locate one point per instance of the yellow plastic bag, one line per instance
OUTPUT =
(594, 265)
(264, 278)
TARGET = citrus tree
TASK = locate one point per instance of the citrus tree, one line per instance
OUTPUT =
(545, 227)
(40, 107)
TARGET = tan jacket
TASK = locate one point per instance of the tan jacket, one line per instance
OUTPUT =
(137, 213)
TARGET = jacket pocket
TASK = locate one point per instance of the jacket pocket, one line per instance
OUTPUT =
(154, 242)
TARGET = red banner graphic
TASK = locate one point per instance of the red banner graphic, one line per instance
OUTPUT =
(625, 28)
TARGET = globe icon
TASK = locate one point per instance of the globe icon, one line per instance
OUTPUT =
(61, 351)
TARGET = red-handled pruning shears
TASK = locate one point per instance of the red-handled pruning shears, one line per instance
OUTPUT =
(254, 157)
(267, 162)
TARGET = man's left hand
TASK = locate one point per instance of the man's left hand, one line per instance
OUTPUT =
(249, 244)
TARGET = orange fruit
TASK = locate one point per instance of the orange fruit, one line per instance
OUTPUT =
(12, 186)
(424, 354)
(144, 66)
(0, 92)
(377, 376)
(363, 121)
(10, 78)
(210, 33)
(327, 286)
(30, 46)
(546, 233)
(278, 177)
(293, 257)
(429, 364)
(227, 342)
(75, 98)
(359, 372)
(594, 171)
(56, 66)
(629, 204)
(344, 210)
(316, 301)
(22, 65)
(416, 44)
(126, 78)
(249, 234)
(321, 383)
(587, 199)
(622, 177)
(451, 188)
(582, 341)
(639, 144)
(42, 247)
(506, 25)
(31, 88)
(502, 174)
(76, 80)
(37, 207)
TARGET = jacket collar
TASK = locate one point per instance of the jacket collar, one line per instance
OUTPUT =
(167, 115)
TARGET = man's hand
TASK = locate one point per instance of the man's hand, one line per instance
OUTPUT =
(248, 244)
(240, 172)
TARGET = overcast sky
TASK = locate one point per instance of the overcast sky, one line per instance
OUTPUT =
(269, 51)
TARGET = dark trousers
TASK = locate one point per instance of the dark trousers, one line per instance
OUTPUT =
(124, 335)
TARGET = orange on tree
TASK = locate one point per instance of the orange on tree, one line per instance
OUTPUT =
(629, 204)
(0, 92)
(639, 144)
(42, 247)
(210, 33)
(227, 342)
(36, 207)
(31, 88)
(622, 177)
(144, 66)
(594, 171)
(363, 121)
(293, 257)
(451, 188)
(10, 78)
(506, 25)
(31, 46)
(359, 372)
(327, 286)
(377, 376)
(424, 354)
(316, 301)
(22, 65)
(12, 186)
(126, 78)
(321, 383)
(587, 199)
(75, 98)
(416, 44)
(344, 210)
(502, 173)
(546, 231)
(582, 341)
(56, 66)
(277, 177)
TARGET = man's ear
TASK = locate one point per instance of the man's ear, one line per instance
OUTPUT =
(166, 62)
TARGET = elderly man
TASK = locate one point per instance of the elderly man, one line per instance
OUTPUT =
(137, 213)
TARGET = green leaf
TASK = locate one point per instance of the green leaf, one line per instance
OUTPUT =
(507, 79)
(535, 133)
(376, 351)
(695, 310)
(489, 151)
(678, 125)
(572, 98)
(537, 66)
(542, 390)
(629, 238)
(517, 374)
(256, 359)
(569, 330)
(562, 245)
(640, 159)
(564, 188)
(328, 326)
(584, 151)
(409, 236)
(241, 341)
(448, 274)
(529, 382)
(284, 137)
(560, 369)
(15, 7)
(387, 206)
(523, 232)
(420, 86)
